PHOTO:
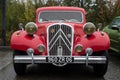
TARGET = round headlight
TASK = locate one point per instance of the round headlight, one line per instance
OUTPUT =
(41, 48)
(89, 28)
(78, 48)
(31, 28)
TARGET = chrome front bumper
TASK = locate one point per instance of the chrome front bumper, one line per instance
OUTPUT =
(79, 59)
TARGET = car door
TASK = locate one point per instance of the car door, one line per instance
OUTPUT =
(115, 39)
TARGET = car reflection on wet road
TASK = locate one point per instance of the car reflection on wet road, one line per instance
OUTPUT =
(50, 72)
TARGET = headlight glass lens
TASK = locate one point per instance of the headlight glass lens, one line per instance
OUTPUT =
(78, 48)
(31, 28)
(41, 48)
(89, 28)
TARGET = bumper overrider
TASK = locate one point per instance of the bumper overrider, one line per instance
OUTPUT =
(36, 59)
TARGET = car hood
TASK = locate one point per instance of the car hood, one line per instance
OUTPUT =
(42, 28)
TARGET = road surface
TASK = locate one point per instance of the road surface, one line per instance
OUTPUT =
(50, 72)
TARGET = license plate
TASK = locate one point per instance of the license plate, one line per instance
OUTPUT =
(59, 59)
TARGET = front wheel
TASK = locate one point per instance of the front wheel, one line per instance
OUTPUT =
(19, 68)
(101, 69)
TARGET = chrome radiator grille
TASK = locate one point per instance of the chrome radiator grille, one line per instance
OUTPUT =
(60, 40)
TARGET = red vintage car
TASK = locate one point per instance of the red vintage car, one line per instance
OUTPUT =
(60, 36)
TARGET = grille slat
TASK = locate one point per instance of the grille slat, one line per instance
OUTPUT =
(60, 36)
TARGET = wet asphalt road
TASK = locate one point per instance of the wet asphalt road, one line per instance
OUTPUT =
(49, 72)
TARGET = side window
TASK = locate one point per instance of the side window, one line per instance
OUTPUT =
(119, 25)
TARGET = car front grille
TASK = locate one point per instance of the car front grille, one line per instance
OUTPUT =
(60, 40)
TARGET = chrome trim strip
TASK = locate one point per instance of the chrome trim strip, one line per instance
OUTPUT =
(65, 36)
(54, 36)
(28, 59)
(77, 60)
(60, 44)
(65, 43)
(54, 43)
(115, 41)
(91, 59)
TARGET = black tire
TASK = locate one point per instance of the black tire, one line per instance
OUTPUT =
(101, 69)
(19, 68)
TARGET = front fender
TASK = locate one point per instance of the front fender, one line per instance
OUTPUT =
(97, 41)
(20, 40)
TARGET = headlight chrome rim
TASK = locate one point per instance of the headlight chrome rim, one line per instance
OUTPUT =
(41, 48)
(89, 28)
(31, 28)
(78, 48)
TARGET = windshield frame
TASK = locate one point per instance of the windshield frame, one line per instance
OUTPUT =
(82, 16)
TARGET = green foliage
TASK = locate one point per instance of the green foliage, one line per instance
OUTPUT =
(29, 13)
(75, 3)
(102, 11)
(116, 9)
(18, 11)
(51, 3)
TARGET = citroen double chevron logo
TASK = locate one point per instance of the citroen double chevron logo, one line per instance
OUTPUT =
(61, 38)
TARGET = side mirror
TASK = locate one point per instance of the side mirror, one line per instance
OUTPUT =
(20, 26)
(100, 26)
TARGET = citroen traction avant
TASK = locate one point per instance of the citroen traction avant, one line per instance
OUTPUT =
(60, 36)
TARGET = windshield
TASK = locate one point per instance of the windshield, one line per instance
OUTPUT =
(116, 21)
(68, 16)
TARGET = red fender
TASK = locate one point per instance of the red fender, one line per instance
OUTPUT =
(20, 40)
(96, 41)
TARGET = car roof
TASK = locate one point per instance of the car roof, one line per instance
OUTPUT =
(117, 17)
(61, 8)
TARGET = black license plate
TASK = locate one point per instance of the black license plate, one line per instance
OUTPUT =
(59, 59)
